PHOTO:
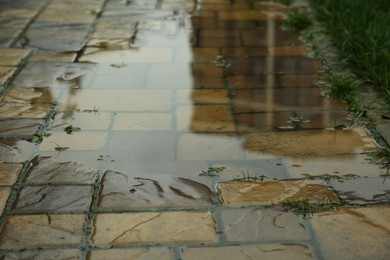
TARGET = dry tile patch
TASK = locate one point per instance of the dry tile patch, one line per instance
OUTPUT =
(266, 193)
(163, 227)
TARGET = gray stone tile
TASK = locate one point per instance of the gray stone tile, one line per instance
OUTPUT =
(15, 151)
(60, 254)
(122, 191)
(53, 199)
(263, 225)
(48, 170)
(20, 128)
(131, 253)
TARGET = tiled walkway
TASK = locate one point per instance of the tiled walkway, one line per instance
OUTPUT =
(163, 129)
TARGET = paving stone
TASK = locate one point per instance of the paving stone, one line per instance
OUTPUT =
(60, 254)
(142, 55)
(13, 22)
(195, 55)
(363, 190)
(74, 199)
(47, 170)
(6, 72)
(288, 51)
(23, 110)
(90, 119)
(205, 118)
(7, 37)
(114, 29)
(15, 151)
(20, 128)
(40, 231)
(247, 81)
(54, 56)
(143, 122)
(193, 147)
(122, 191)
(120, 100)
(9, 173)
(269, 251)
(66, 13)
(131, 253)
(29, 96)
(150, 227)
(308, 143)
(298, 80)
(273, 192)
(77, 141)
(4, 194)
(344, 166)
(242, 15)
(53, 74)
(353, 233)
(202, 96)
(12, 56)
(263, 225)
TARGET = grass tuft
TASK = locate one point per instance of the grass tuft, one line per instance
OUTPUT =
(298, 21)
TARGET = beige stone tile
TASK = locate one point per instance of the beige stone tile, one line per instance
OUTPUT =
(345, 166)
(12, 57)
(142, 55)
(29, 95)
(205, 118)
(202, 96)
(273, 192)
(150, 227)
(270, 251)
(353, 233)
(34, 231)
(131, 253)
(143, 122)
(58, 254)
(66, 14)
(119, 100)
(23, 110)
(84, 120)
(5, 73)
(54, 56)
(193, 147)
(9, 173)
(4, 194)
(77, 141)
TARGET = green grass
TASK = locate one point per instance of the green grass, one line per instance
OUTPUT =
(298, 21)
(341, 87)
(360, 32)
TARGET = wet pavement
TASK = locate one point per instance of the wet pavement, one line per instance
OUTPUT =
(167, 129)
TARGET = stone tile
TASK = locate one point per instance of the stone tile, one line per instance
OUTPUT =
(54, 56)
(40, 231)
(247, 66)
(16, 151)
(19, 11)
(74, 199)
(13, 22)
(132, 253)
(263, 225)
(9, 173)
(142, 55)
(267, 251)
(195, 55)
(29, 96)
(77, 141)
(7, 37)
(120, 100)
(193, 147)
(47, 170)
(298, 80)
(279, 38)
(218, 42)
(273, 192)
(150, 227)
(49, 36)
(363, 190)
(344, 166)
(62, 75)
(143, 122)
(90, 119)
(6, 73)
(353, 233)
(20, 128)
(268, 169)
(60, 254)
(122, 191)
(205, 118)
(247, 81)
(114, 29)
(307, 143)
(4, 194)
(23, 110)
(12, 57)
(202, 96)
(67, 14)
(298, 65)
(141, 146)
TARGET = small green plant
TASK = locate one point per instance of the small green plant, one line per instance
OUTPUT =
(328, 177)
(246, 177)
(341, 87)
(298, 21)
(212, 172)
(69, 129)
(95, 110)
(37, 138)
(381, 158)
(59, 149)
(304, 207)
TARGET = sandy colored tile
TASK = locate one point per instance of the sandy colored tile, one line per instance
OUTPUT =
(29, 96)
(143, 122)
(9, 173)
(24, 110)
(6, 73)
(4, 194)
(87, 120)
(142, 55)
(270, 251)
(193, 147)
(119, 100)
(35, 231)
(12, 57)
(58, 254)
(273, 192)
(353, 233)
(20, 128)
(195, 55)
(202, 96)
(205, 118)
(164, 227)
(131, 253)
(77, 141)
(54, 56)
